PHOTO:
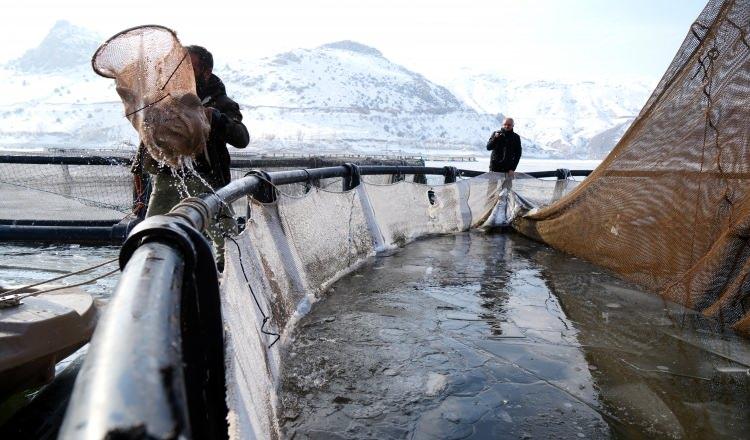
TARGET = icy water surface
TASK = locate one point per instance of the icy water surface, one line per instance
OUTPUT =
(25, 264)
(495, 336)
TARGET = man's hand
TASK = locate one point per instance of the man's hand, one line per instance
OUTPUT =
(511, 173)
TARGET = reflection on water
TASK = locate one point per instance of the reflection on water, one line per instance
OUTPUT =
(659, 368)
(495, 336)
(25, 264)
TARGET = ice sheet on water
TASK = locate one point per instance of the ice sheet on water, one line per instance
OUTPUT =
(577, 366)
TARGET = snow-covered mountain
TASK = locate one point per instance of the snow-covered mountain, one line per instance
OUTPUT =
(342, 96)
(65, 46)
(346, 95)
(582, 119)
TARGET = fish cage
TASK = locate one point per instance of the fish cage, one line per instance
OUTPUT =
(200, 338)
(69, 195)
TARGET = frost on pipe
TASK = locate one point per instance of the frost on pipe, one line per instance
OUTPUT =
(294, 248)
(669, 208)
(155, 81)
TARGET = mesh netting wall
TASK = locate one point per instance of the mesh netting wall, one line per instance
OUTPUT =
(669, 207)
(65, 192)
(78, 192)
(294, 248)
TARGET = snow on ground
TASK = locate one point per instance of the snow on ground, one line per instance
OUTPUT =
(341, 96)
(525, 165)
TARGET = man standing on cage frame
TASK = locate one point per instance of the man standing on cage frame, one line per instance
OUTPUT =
(505, 145)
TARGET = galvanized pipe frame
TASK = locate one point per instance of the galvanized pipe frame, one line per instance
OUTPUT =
(82, 231)
(157, 260)
(248, 185)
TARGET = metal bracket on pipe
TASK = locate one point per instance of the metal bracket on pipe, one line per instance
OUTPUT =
(162, 228)
(353, 178)
(265, 192)
(451, 173)
(198, 205)
(562, 174)
(398, 177)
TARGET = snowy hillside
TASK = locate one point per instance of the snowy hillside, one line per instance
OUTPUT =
(579, 119)
(346, 95)
(342, 96)
(65, 46)
(51, 97)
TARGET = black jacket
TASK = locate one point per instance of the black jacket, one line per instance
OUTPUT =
(506, 151)
(226, 128)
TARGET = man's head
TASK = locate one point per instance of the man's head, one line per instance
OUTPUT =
(508, 124)
(202, 61)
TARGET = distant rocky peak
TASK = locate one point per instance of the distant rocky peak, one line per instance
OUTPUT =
(353, 46)
(65, 46)
(65, 29)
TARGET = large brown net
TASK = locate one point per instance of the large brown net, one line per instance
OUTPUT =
(155, 81)
(669, 208)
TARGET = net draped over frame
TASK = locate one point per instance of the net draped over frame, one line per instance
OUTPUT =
(669, 208)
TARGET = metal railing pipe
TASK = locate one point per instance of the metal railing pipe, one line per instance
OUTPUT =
(65, 160)
(369, 170)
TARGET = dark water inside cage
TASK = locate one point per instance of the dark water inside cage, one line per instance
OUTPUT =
(495, 336)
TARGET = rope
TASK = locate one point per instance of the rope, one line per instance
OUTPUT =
(89, 281)
(175, 70)
(252, 292)
(146, 106)
(19, 289)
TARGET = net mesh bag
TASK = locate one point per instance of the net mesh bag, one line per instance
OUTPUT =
(669, 207)
(155, 81)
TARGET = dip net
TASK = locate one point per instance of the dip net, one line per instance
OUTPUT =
(669, 208)
(155, 81)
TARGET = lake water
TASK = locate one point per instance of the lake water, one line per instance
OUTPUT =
(25, 264)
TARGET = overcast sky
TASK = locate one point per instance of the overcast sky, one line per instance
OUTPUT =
(556, 39)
